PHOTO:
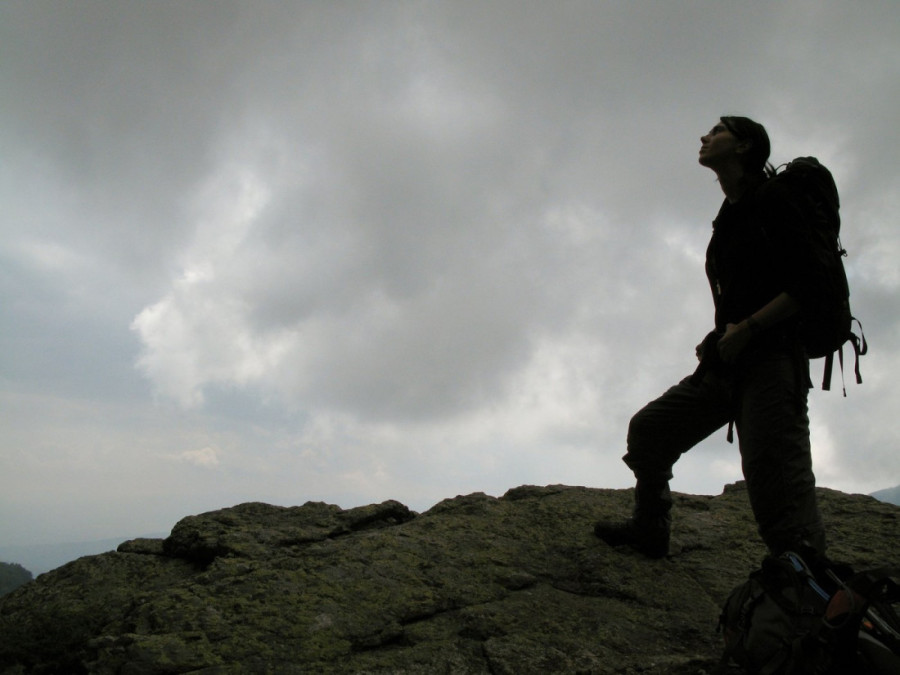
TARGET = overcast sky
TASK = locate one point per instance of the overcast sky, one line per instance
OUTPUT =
(357, 251)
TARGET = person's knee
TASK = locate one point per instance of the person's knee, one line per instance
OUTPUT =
(638, 429)
(648, 454)
(634, 441)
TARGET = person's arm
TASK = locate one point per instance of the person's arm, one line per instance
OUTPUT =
(737, 335)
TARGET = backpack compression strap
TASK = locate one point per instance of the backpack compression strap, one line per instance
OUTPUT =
(860, 348)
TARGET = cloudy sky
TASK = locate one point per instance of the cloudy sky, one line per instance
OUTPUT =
(357, 251)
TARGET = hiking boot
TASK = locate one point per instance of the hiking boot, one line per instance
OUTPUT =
(650, 537)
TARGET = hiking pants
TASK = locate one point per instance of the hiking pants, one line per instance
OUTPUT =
(766, 397)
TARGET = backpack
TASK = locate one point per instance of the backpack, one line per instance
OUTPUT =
(825, 320)
(865, 607)
(785, 621)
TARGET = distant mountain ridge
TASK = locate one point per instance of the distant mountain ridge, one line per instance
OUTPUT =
(13, 576)
(41, 558)
(888, 495)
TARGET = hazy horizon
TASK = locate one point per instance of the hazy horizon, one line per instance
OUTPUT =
(42, 558)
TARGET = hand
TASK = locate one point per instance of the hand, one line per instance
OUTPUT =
(732, 343)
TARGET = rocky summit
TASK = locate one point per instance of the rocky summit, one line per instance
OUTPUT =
(477, 584)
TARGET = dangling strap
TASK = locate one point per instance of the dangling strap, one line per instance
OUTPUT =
(860, 348)
(841, 360)
(826, 375)
(829, 365)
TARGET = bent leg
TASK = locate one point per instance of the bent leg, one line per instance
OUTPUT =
(664, 429)
(658, 434)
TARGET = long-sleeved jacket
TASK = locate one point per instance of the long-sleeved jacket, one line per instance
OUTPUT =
(756, 252)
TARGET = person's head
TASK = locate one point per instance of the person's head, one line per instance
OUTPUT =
(754, 142)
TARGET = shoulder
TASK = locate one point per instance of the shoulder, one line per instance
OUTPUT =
(775, 198)
(772, 190)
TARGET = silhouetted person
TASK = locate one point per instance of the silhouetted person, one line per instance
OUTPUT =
(753, 369)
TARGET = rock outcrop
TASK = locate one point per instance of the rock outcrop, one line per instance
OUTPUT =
(477, 584)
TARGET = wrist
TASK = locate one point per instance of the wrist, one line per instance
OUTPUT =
(752, 325)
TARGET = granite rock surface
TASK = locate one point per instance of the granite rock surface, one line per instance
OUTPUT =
(477, 584)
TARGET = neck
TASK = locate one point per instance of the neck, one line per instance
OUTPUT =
(733, 181)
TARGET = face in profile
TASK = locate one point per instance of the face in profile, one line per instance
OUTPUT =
(717, 146)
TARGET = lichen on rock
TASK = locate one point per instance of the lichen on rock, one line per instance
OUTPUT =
(477, 584)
